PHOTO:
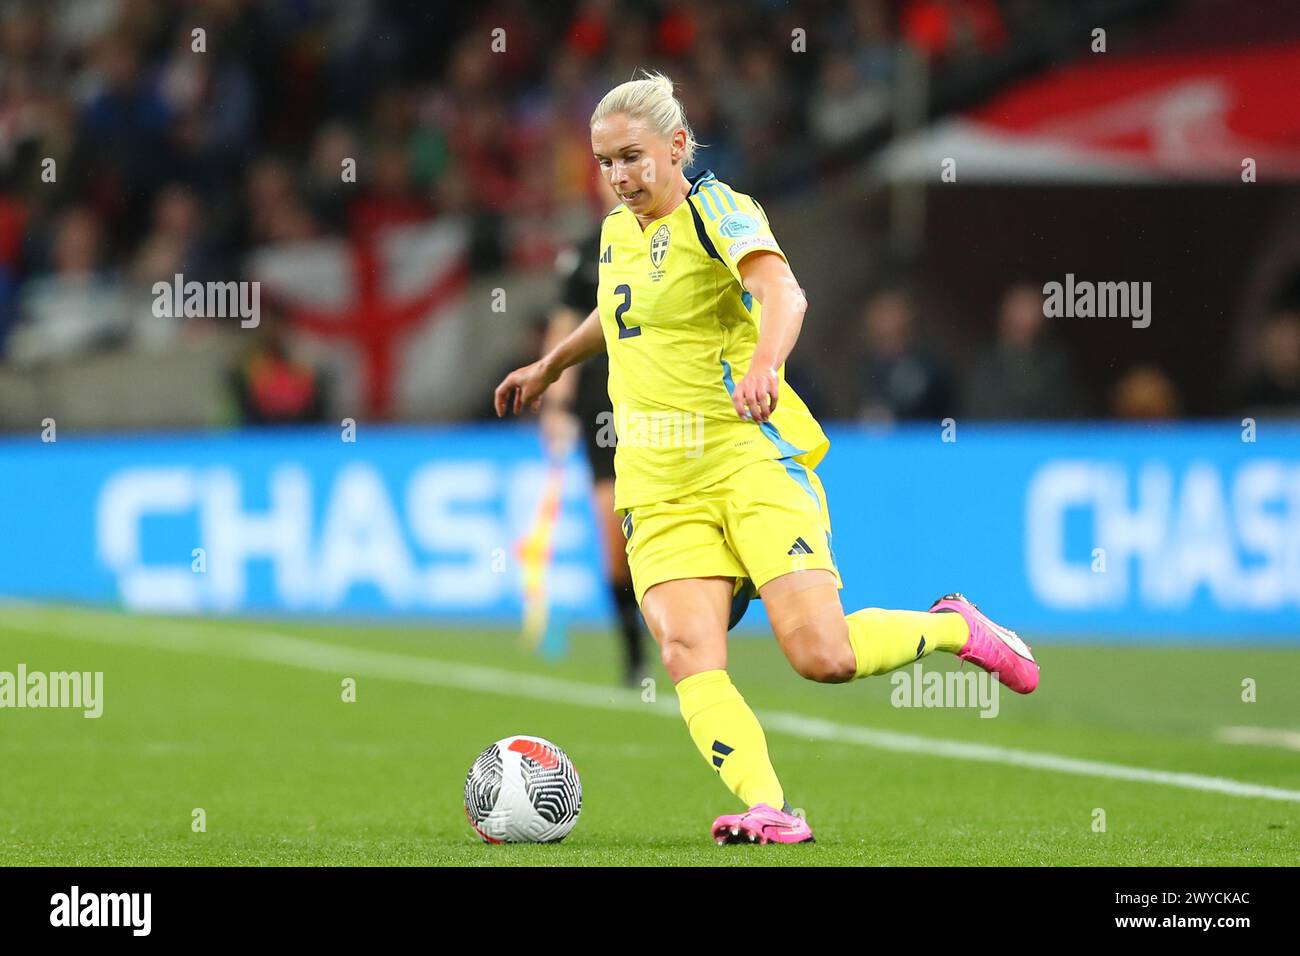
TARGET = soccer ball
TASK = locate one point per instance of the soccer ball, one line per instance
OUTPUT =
(523, 790)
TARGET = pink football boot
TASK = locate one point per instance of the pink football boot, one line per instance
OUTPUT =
(761, 824)
(997, 649)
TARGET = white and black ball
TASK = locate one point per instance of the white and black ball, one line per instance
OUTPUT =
(523, 790)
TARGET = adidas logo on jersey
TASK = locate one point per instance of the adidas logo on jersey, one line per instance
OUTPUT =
(607, 255)
(800, 547)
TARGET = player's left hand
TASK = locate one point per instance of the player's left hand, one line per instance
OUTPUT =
(755, 396)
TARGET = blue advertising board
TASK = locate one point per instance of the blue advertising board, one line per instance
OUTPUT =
(1099, 532)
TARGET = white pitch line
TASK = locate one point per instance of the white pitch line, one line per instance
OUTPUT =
(274, 648)
(1260, 736)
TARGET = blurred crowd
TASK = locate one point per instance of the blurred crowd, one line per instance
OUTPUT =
(144, 138)
(132, 149)
(1024, 374)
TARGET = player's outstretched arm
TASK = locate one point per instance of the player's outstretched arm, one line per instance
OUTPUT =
(523, 387)
(768, 278)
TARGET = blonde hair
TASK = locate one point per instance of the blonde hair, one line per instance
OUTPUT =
(650, 98)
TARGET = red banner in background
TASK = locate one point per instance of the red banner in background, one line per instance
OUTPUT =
(1193, 115)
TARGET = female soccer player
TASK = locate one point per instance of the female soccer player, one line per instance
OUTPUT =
(698, 311)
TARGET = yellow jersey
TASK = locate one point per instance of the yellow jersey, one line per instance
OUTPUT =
(681, 330)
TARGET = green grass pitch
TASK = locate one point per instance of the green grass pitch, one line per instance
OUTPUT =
(245, 720)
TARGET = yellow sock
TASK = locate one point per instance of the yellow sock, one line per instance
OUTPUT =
(883, 640)
(727, 733)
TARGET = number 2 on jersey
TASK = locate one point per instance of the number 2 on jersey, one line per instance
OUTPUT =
(624, 332)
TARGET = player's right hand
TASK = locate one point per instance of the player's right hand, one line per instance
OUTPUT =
(523, 387)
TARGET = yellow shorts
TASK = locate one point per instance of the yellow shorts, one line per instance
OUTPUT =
(760, 522)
